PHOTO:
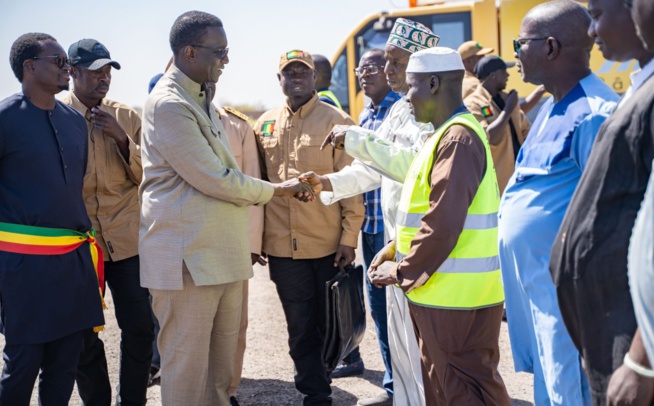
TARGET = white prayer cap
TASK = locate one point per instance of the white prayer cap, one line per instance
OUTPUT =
(438, 59)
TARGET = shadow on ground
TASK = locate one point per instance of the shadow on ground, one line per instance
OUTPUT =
(272, 392)
(518, 402)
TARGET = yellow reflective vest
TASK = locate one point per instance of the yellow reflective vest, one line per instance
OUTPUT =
(331, 96)
(470, 277)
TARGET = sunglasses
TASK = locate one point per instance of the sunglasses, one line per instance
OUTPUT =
(519, 42)
(221, 53)
(58, 60)
(369, 69)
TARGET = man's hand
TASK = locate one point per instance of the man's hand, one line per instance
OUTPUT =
(511, 101)
(316, 181)
(626, 387)
(380, 276)
(258, 259)
(346, 253)
(336, 137)
(109, 126)
(385, 254)
(294, 187)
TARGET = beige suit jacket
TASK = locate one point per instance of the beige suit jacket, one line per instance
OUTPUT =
(194, 199)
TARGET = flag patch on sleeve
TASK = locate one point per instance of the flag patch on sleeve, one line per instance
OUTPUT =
(486, 111)
(268, 128)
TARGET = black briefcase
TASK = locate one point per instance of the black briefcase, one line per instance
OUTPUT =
(346, 315)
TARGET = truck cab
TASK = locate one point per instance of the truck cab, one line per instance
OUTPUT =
(494, 24)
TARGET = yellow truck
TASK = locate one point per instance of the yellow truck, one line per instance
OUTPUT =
(492, 23)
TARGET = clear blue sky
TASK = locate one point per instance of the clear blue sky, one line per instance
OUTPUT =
(136, 34)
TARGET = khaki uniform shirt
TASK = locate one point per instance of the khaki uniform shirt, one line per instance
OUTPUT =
(470, 83)
(243, 144)
(111, 183)
(502, 151)
(291, 146)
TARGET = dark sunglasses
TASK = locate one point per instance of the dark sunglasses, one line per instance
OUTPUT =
(369, 69)
(220, 53)
(518, 42)
(58, 60)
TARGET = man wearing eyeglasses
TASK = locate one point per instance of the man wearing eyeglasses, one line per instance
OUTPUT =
(305, 242)
(553, 50)
(48, 285)
(193, 240)
(113, 175)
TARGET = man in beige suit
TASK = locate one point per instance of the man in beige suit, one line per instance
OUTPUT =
(193, 243)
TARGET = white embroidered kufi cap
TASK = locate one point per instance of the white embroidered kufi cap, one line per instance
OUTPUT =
(438, 59)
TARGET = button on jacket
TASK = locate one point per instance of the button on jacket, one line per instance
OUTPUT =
(194, 199)
(110, 182)
(291, 145)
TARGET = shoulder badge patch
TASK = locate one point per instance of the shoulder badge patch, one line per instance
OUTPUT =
(268, 128)
(486, 111)
(236, 113)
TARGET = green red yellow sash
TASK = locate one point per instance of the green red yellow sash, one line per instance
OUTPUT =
(31, 240)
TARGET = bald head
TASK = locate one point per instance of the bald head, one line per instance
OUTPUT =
(565, 20)
(323, 71)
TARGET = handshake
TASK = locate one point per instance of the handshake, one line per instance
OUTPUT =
(304, 188)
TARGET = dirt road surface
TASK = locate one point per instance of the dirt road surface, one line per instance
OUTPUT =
(268, 370)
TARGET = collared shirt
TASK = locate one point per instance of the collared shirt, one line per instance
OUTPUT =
(548, 169)
(194, 199)
(243, 144)
(42, 161)
(110, 182)
(371, 118)
(637, 79)
(486, 111)
(470, 83)
(291, 144)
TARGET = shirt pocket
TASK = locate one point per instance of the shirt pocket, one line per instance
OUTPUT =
(116, 167)
(272, 151)
(311, 158)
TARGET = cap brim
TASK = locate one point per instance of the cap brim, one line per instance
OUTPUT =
(484, 51)
(510, 64)
(99, 64)
(285, 64)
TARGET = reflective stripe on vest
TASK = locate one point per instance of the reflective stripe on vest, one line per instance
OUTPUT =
(331, 96)
(470, 277)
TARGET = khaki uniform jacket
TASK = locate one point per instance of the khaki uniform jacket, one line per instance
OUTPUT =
(243, 144)
(291, 146)
(111, 183)
(194, 199)
(470, 84)
(503, 153)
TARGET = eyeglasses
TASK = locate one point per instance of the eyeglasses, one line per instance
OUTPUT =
(369, 69)
(518, 42)
(59, 60)
(221, 53)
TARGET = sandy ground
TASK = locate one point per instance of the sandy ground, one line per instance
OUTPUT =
(268, 370)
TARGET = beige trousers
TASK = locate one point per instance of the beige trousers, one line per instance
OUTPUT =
(240, 347)
(197, 341)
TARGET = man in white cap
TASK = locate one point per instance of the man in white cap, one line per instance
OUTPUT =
(446, 241)
(405, 134)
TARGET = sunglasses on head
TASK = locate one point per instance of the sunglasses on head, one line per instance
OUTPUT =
(519, 42)
(58, 60)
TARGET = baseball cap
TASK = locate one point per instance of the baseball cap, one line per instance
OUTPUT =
(490, 64)
(90, 54)
(472, 48)
(295, 55)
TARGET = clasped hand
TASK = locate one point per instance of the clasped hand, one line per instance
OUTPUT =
(381, 266)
